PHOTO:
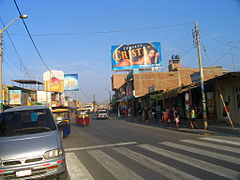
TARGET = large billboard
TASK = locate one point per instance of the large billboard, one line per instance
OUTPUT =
(15, 96)
(136, 56)
(71, 82)
(54, 81)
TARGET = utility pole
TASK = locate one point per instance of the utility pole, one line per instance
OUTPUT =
(94, 102)
(1, 55)
(233, 65)
(204, 109)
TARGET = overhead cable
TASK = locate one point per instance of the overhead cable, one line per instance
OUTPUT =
(221, 42)
(107, 32)
(16, 52)
(34, 44)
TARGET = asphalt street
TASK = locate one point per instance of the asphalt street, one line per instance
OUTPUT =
(119, 149)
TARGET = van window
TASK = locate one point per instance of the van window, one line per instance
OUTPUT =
(26, 122)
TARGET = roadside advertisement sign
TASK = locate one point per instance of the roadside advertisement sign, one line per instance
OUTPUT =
(54, 81)
(15, 96)
(71, 82)
(43, 97)
(136, 56)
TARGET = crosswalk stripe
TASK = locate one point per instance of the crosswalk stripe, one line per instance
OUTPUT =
(76, 170)
(221, 141)
(161, 168)
(203, 152)
(212, 168)
(99, 146)
(211, 145)
(118, 170)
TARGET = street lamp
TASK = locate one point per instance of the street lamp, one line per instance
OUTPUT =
(1, 32)
(110, 96)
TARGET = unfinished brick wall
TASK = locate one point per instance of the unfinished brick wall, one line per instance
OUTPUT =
(118, 80)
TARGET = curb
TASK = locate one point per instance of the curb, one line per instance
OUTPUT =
(211, 131)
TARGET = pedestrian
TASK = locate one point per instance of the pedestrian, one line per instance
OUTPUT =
(165, 116)
(158, 112)
(154, 115)
(129, 113)
(176, 117)
(119, 111)
(193, 118)
(139, 113)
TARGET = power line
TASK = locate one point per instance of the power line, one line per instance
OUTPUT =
(187, 51)
(11, 57)
(34, 44)
(84, 94)
(221, 42)
(11, 69)
(183, 39)
(226, 52)
(14, 62)
(107, 32)
(235, 54)
(16, 52)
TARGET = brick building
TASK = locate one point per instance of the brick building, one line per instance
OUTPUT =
(139, 84)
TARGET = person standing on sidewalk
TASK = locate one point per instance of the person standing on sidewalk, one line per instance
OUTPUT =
(176, 117)
(145, 113)
(165, 116)
(153, 111)
(139, 114)
(130, 113)
(193, 118)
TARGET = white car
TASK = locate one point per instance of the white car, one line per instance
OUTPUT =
(102, 114)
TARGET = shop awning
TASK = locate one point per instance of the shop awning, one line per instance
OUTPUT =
(171, 93)
(27, 81)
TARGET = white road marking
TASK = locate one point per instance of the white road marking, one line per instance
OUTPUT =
(212, 168)
(99, 146)
(161, 168)
(118, 170)
(76, 170)
(221, 141)
(203, 152)
(211, 145)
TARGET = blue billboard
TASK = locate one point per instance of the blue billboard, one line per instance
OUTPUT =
(71, 82)
(136, 56)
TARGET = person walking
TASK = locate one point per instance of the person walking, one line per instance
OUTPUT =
(145, 114)
(176, 117)
(193, 118)
(165, 117)
(130, 113)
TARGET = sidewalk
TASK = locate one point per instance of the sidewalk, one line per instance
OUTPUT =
(213, 128)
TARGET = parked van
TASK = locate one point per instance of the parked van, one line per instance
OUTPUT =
(30, 144)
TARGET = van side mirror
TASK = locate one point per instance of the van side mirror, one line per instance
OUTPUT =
(62, 125)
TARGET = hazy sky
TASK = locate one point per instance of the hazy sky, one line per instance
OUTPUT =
(67, 34)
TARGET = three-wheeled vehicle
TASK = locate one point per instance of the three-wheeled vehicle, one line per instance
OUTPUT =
(83, 117)
(62, 114)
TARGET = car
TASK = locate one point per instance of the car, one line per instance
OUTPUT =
(102, 114)
(30, 144)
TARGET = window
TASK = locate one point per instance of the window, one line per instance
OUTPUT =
(26, 122)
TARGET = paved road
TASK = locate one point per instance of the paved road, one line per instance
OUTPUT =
(118, 149)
